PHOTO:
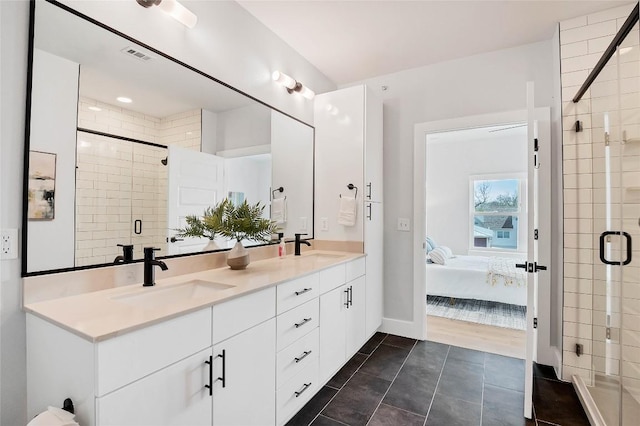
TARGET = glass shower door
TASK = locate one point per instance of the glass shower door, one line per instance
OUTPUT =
(615, 359)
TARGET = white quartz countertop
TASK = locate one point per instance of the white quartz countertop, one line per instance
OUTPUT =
(101, 315)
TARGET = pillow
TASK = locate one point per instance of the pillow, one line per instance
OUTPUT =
(430, 244)
(447, 251)
(438, 255)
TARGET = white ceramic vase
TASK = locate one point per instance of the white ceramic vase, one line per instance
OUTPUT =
(211, 245)
(238, 257)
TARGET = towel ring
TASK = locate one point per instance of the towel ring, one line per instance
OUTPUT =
(352, 187)
(273, 193)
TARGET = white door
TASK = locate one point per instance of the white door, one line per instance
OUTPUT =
(538, 237)
(175, 395)
(195, 182)
(244, 377)
(332, 331)
(374, 247)
(355, 330)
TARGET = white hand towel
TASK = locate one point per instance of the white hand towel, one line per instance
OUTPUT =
(53, 417)
(279, 210)
(348, 211)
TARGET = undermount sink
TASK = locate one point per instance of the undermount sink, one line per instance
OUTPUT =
(159, 296)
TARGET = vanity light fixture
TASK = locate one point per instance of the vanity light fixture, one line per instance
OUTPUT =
(292, 85)
(173, 8)
(124, 100)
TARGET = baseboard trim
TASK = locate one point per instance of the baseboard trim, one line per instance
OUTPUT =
(401, 328)
(589, 405)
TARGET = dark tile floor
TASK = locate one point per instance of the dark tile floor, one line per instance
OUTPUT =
(397, 381)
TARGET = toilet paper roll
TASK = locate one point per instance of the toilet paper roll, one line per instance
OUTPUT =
(53, 417)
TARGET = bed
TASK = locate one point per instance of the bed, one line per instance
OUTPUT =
(478, 277)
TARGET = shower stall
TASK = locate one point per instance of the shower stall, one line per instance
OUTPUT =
(609, 218)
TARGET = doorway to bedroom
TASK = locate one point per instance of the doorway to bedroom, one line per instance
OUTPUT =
(476, 233)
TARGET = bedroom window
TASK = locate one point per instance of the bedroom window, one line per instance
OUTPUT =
(496, 213)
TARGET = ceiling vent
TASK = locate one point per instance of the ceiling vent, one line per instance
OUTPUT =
(136, 53)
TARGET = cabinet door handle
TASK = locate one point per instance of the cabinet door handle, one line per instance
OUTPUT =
(303, 291)
(210, 385)
(347, 302)
(369, 207)
(303, 322)
(303, 356)
(223, 378)
(369, 191)
(304, 388)
(351, 295)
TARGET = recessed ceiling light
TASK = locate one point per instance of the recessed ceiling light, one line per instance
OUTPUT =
(95, 108)
(124, 100)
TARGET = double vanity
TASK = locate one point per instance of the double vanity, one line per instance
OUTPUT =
(217, 347)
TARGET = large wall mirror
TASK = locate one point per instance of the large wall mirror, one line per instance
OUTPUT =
(124, 143)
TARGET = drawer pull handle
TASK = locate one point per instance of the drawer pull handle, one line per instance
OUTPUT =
(303, 322)
(303, 291)
(347, 302)
(303, 356)
(210, 385)
(304, 388)
(223, 378)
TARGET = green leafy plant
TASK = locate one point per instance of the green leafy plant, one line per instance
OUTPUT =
(245, 221)
(206, 226)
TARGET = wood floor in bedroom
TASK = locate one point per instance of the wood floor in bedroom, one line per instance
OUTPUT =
(497, 340)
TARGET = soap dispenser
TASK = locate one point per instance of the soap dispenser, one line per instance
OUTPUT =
(282, 247)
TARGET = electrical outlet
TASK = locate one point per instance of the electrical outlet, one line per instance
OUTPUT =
(9, 244)
(324, 223)
(403, 224)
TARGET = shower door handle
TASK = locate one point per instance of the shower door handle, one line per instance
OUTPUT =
(603, 258)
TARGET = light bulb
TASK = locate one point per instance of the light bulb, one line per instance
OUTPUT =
(124, 100)
(284, 79)
(179, 13)
(307, 93)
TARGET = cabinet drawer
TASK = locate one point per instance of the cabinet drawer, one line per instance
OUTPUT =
(297, 322)
(237, 315)
(297, 356)
(296, 392)
(296, 292)
(355, 269)
(129, 357)
(331, 278)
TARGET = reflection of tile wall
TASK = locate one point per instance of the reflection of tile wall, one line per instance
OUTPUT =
(103, 198)
(582, 42)
(144, 193)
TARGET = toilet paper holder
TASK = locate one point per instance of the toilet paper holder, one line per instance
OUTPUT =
(67, 405)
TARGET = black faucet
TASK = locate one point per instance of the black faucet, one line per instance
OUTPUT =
(298, 242)
(149, 262)
(127, 254)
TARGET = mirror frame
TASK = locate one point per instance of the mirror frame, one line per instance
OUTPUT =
(27, 137)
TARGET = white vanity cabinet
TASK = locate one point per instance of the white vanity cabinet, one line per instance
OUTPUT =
(254, 359)
(342, 315)
(349, 149)
(297, 343)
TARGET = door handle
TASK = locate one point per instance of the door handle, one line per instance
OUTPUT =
(223, 378)
(522, 265)
(537, 267)
(210, 385)
(603, 258)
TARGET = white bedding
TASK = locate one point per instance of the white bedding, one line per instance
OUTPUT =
(478, 277)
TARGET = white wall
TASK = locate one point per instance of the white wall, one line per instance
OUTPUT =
(228, 43)
(243, 127)
(53, 121)
(480, 84)
(449, 166)
(13, 57)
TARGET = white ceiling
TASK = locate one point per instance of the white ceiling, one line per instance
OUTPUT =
(354, 40)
